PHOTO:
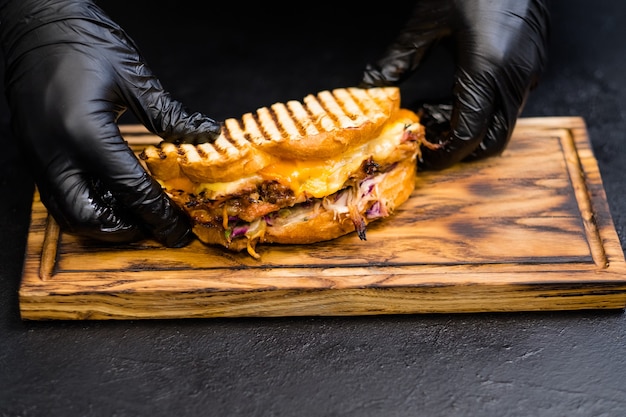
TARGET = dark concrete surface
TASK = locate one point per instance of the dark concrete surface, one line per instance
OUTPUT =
(226, 61)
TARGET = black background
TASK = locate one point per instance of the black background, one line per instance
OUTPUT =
(233, 58)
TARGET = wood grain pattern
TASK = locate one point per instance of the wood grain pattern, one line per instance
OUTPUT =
(529, 230)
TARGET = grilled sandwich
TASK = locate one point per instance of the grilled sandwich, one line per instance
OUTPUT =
(298, 172)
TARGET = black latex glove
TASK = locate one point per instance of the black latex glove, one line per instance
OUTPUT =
(500, 50)
(71, 72)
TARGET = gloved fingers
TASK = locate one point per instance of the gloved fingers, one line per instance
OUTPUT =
(169, 118)
(510, 95)
(397, 64)
(428, 23)
(80, 207)
(472, 107)
(98, 188)
(503, 53)
(72, 72)
(143, 198)
(138, 87)
(496, 139)
(155, 107)
(84, 30)
(137, 195)
(119, 207)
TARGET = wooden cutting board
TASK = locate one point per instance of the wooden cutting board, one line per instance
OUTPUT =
(529, 230)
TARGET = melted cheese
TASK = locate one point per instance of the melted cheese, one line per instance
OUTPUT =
(214, 190)
(313, 178)
(319, 178)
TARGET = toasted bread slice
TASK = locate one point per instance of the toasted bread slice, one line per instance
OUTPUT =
(324, 124)
(321, 126)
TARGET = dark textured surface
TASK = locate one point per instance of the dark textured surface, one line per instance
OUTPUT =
(540, 364)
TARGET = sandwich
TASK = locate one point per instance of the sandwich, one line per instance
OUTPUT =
(298, 172)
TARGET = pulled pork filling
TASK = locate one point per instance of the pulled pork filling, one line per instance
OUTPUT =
(246, 215)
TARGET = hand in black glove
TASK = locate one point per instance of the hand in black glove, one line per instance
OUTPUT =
(71, 72)
(500, 51)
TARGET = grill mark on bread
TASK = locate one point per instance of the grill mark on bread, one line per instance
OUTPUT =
(301, 117)
(369, 104)
(285, 123)
(267, 121)
(201, 152)
(324, 121)
(231, 131)
(182, 155)
(236, 138)
(334, 109)
(349, 106)
(254, 131)
(243, 133)
(160, 153)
